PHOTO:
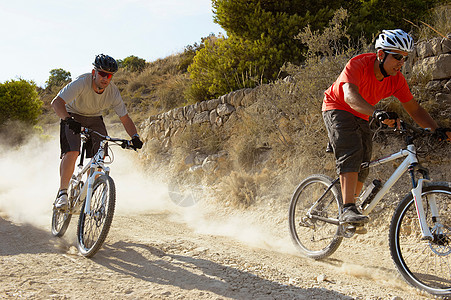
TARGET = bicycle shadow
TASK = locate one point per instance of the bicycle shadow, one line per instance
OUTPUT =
(24, 239)
(154, 265)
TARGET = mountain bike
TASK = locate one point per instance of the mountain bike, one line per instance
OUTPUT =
(92, 195)
(420, 228)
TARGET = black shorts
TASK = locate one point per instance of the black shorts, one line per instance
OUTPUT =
(69, 141)
(351, 140)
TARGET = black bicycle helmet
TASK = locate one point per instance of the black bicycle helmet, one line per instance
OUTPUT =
(105, 63)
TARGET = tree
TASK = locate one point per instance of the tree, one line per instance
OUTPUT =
(261, 38)
(132, 63)
(20, 101)
(249, 18)
(57, 78)
(370, 17)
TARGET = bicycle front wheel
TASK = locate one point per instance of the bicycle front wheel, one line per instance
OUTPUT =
(95, 220)
(313, 224)
(424, 264)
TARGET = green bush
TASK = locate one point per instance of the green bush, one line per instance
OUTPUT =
(228, 64)
(19, 100)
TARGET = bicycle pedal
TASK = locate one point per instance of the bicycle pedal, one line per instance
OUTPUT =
(361, 230)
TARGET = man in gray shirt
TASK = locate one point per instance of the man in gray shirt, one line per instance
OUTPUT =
(80, 103)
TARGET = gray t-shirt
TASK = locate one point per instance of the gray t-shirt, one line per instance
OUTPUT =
(81, 99)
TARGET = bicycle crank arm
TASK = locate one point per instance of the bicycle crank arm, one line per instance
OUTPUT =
(324, 219)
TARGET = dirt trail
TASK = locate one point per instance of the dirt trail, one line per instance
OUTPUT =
(155, 255)
(156, 250)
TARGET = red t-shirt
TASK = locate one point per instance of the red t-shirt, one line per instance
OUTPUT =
(359, 71)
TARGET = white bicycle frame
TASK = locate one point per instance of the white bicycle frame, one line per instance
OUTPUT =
(409, 161)
(97, 162)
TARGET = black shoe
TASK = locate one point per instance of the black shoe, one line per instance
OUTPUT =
(352, 215)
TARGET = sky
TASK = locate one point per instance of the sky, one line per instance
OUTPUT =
(38, 36)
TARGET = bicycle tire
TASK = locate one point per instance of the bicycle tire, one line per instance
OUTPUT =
(60, 222)
(314, 238)
(92, 229)
(61, 219)
(423, 264)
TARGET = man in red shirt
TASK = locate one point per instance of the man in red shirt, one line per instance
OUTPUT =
(348, 103)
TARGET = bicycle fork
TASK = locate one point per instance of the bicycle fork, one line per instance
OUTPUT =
(416, 192)
(89, 191)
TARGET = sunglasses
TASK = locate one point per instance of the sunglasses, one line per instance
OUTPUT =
(105, 74)
(397, 56)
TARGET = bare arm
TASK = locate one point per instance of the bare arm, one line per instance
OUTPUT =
(353, 98)
(59, 106)
(129, 126)
(419, 114)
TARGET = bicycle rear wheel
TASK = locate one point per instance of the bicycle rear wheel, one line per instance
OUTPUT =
(313, 237)
(424, 264)
(93, 226)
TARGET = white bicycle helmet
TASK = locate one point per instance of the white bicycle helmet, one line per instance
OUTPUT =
(396, 39)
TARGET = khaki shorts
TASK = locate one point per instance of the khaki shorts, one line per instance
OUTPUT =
(69, 141)
(351, 140)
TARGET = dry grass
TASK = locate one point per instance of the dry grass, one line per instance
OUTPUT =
(438, 26)
(243, 189)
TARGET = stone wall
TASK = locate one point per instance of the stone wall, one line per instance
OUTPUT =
(216, 112)
(431, 59)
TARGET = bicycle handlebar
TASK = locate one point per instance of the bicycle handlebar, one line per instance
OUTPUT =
(410, 132)
(125, 144)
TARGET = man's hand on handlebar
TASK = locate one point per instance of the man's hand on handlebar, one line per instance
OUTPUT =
(443, 134)
(73, 125)
(386, 117)
(136, 142)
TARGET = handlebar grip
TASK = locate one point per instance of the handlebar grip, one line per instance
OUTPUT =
(127, 145)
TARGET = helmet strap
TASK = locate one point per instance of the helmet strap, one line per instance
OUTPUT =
(381, 66)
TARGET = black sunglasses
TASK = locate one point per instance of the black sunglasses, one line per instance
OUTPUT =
(397, 56)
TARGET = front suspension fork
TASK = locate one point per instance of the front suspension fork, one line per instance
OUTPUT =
(416, 192)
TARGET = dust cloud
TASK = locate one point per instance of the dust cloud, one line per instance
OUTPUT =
(29, 182)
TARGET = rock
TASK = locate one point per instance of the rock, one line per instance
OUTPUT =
(321, 278)
(438, 66)
(443, 98)
(209, 166)
(424, 49)
(447, 86)
(225, 109)
(213, 116)
(189, 160)
(199, 158)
